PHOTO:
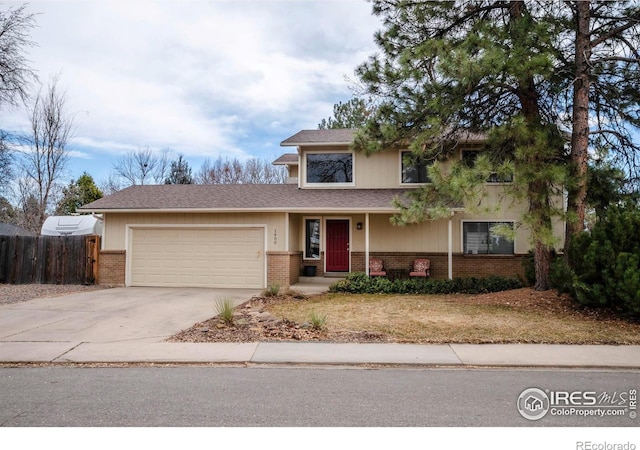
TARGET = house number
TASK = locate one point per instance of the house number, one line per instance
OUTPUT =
(275, 237)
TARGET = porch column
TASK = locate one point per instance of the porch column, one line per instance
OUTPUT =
(450, 249)
(286, 232)
(366, 243)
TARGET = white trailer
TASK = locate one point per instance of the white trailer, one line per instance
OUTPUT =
(72, 226)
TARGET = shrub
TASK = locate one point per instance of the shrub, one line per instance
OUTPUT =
(317, 321)
(225, 308)
(561, 277)
(606, 262)
(360, 283)
(272, 291)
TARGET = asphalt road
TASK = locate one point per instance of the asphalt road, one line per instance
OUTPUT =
(57, 396)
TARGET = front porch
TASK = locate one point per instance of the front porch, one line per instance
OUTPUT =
(326, 245)
(287, 268)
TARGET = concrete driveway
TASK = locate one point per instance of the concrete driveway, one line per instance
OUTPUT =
(141, 315)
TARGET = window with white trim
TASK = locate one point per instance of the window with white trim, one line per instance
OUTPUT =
(329, 167)
(481, 238)
(414, 169)
(311, 238)
(469, 159)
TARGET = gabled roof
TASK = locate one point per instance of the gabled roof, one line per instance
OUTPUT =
(288, 159)
(340, 136)
(245, 198)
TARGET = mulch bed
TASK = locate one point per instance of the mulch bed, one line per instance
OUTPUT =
(16, 293)
(252, 323)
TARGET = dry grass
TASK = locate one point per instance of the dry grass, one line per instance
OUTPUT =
(522, 315)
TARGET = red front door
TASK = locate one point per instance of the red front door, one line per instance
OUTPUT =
(337, 252)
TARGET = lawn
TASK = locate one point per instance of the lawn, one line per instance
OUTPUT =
(521, 315)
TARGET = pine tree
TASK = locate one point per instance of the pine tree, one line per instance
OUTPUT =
(352, 114)
(507, 70)
(78, 193)
(453, 67)
(180, 172)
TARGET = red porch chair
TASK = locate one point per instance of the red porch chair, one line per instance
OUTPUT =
(420, 268)
(376, 268)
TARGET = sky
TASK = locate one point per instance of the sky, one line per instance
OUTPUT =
(203, 78)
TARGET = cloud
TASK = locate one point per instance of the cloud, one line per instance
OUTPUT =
(203, 78)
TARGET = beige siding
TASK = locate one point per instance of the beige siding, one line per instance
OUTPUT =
(378, 171)
(425, 237)
(358, 237)
(295, 233)
(115, 225)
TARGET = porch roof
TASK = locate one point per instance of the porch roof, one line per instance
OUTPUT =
(245, 198)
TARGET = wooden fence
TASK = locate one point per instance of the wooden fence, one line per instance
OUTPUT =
(49, 259)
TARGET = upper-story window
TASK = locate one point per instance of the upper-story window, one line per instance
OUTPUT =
(469, 158)
(414, 169)
(329, 167)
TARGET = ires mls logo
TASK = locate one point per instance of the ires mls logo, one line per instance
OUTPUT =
(534, 403)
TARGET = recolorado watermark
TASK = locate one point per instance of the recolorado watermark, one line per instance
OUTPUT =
(534, 404)
(588, 445)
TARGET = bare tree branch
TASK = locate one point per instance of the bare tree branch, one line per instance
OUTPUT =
(143, 166)
(46, 157)
(15, 74)
(253, 171)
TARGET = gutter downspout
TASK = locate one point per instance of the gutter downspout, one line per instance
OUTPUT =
(450, 248)
(366, 243)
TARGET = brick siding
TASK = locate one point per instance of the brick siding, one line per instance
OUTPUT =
(283, 268)
(463, 265)
(111, 267)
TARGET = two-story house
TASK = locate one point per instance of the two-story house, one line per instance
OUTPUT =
(333, 214)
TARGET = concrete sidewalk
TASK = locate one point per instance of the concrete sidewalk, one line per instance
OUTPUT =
(452, 355)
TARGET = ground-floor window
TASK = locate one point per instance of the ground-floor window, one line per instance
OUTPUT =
(482, 238)
(312, 238)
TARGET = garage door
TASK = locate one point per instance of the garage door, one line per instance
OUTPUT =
(214, 257)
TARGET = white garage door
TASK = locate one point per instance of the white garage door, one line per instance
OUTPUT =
(213, 257)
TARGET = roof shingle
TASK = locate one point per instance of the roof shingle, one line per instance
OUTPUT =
(245, 197)
(320, 137)
(286, 159)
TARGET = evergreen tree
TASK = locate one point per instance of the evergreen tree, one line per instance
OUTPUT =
(352, 114)
(180, 172)
(448, 68)
(608, 187)
(7, 212)
(599, 66)
(518, 73)
(78, 193)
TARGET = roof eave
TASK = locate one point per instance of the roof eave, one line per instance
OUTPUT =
(315, 144)
(329, 209)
